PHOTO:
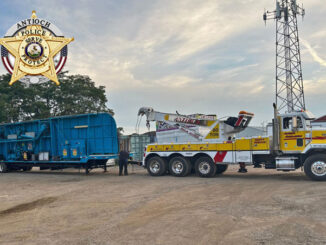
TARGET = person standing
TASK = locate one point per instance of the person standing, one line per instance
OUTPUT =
(123, 162)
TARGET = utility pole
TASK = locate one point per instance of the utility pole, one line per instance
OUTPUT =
(289, 82)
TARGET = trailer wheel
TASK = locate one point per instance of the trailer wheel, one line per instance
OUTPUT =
(156, 166)
(179, 167)
(25, 169)
(3, 168)
(221, 168)
(205, 167)
(315, 167)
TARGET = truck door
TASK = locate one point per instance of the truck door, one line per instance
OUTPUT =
(292, 139)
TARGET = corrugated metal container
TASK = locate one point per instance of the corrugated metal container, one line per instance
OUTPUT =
(124, 142)
(138, 143)
(89, 138)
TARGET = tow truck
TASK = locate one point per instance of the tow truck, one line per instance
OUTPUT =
(208, 145)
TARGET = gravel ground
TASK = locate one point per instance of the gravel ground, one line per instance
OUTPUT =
(67, 207)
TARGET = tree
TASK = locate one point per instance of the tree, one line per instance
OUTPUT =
(77, 94)
(120, 131)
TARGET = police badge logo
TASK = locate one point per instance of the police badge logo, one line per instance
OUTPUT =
(34, 51)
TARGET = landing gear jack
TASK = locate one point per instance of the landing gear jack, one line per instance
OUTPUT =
(257, 165)
(242, 168)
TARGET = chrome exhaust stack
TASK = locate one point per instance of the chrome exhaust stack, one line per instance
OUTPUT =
(276, 132)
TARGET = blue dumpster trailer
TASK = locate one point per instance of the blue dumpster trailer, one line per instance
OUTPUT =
(80, 141)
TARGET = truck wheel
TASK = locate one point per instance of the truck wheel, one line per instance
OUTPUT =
(221, 168)
(315, 167)
(3, 168)
(156, 166)
(205, 167)
(179, 167)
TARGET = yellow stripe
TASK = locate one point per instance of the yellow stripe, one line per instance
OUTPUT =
(254, 144)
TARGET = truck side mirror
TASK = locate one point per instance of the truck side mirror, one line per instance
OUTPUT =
(294, 123)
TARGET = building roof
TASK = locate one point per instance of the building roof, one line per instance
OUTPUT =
(252, 131)
(321, 119)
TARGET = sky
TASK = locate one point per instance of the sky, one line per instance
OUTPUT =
(190, 56)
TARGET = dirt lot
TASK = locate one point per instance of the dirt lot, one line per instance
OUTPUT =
(260, 207)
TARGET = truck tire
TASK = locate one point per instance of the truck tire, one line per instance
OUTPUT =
(179, 166)
(3, 168)
(205, 167)
(315, 167)
(156, 166)
(221, 168)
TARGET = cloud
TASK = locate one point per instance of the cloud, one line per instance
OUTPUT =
(313, 53)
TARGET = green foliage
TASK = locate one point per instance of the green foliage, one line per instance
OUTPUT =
(77, 94)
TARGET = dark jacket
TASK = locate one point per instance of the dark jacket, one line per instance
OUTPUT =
(123, 156)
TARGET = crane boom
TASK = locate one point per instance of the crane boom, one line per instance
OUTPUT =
(195, 127)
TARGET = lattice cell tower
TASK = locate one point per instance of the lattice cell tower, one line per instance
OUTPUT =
(289, 83)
